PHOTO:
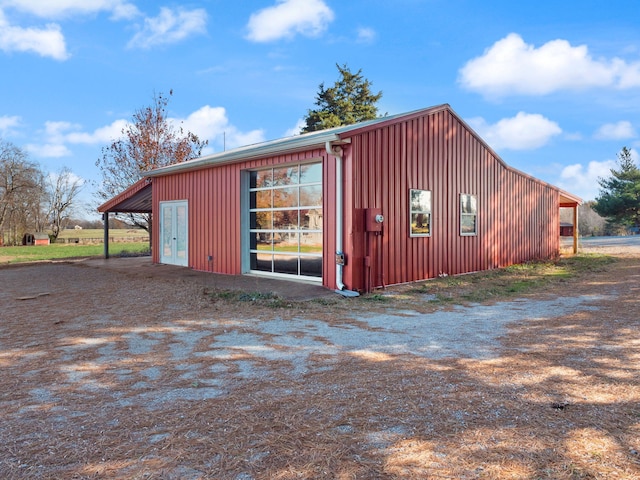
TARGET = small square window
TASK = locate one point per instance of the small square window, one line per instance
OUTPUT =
(468, 215)
(420, 206)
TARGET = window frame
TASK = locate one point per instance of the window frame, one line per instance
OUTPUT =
(466, 215)
(292, 205)
(417, 212)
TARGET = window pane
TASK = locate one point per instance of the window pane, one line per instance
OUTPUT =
(311, 219)
(264, 240)
(468, 204)
(420, 224)
(260, 220)
(468, 224)
(285, 197)
(261, 179)
(286, 241)
(311, 173)
(285, 264)
(261, 199)
(421, 201)
(285, 220)
(167, 231)
(311, 243)
(285, 176)
(261, 262)
(311, 196)
(311, 266)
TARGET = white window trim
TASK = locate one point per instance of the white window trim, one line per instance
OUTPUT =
(411, 212)
(462, 215)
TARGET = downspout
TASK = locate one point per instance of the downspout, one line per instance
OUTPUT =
(336, 151)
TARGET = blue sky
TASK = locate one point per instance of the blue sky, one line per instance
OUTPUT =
(553, 87)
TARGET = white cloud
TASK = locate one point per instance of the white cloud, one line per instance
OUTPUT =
(48, 150)
(583, 181)
(525, 131)
(8, 124)
(288, 18)
(208, 123)
(511, 66)
(616, 131)
(366, 35)
(119, 9)
(106, 134)
(46, 42)
(211, 123)
(71, 178)
(57, 136)
(170, 26)
(300, 124)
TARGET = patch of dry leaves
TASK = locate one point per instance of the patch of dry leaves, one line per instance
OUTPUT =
(561, 401)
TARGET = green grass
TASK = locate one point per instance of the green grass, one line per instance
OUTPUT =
(62, 251)
(514, 280)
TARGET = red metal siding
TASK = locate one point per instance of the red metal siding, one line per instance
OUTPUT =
(517, 214)
(214, 195)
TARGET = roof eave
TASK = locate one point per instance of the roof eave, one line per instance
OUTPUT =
(248, 153)
(569, 198)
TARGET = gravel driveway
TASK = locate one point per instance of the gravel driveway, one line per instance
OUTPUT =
(83, 348)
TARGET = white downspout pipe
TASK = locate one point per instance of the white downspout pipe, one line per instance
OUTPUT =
(336, 151)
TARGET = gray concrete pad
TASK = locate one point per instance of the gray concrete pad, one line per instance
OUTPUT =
(143, 266)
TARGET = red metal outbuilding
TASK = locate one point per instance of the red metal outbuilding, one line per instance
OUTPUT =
(393, 200)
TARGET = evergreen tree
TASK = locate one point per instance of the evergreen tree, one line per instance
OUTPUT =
(619, 198)
(349, 101)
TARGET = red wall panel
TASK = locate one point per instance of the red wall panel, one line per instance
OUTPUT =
(517, 218)
(214, 195)
(517, 214)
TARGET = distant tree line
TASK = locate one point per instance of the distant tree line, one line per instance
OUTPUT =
(32, 201)
(590, 224)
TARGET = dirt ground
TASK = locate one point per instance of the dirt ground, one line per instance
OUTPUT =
(110, 375)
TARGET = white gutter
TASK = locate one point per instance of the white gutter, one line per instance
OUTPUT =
(336, 151)
(265, 149)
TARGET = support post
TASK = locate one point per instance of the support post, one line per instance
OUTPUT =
(105, 219)
(575, 229)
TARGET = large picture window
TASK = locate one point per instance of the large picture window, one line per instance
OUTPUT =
(420, 222)
(468, 214)
(285, 212)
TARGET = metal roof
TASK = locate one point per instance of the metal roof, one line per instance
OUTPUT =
(283, 145)
(135, 199)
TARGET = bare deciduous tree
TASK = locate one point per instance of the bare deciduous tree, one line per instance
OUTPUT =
(589, 222)
(64, 187)
(150, 141)
(21, 193)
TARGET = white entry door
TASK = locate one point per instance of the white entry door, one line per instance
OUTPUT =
(173, 233)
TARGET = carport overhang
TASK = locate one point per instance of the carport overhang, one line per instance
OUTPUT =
(137, 198)
(568, 200)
